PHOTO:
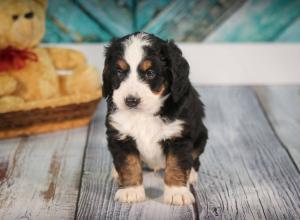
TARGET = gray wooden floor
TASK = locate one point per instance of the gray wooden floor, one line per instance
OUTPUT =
(250, 169)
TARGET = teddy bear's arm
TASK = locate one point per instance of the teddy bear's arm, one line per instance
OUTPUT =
(7, 84)
(64, 58)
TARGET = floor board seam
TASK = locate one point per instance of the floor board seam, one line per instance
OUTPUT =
(195, 205)
(82, 170)
(274, 131)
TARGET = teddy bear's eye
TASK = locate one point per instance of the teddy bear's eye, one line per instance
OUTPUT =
(15, 17)
(29, 15)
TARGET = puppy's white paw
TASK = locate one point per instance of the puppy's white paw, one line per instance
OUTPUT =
(114, 173)
(131, 194)
(193, 178)
(178, 195)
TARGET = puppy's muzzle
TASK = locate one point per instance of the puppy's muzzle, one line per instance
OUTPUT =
(132, 102)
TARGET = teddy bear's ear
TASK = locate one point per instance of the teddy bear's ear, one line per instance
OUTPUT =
(44, 3)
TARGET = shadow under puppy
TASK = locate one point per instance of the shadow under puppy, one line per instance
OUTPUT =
(154, 116)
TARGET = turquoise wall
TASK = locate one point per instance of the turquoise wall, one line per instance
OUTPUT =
(190, 20)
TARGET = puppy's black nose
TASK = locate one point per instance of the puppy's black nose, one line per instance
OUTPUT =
(132, 101)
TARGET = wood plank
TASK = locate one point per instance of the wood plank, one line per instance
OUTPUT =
(177, 8)
(96, 199)
(292, 33)
(147, 10)
(282, 107)
(245, 173)
(54, 33)
(191, 20)
(71, 20)
(257, 21)
(40, 175)
(115, 18)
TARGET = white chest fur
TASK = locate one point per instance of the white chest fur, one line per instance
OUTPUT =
(147, 130)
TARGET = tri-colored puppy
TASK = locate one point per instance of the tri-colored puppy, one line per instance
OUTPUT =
(154, 116)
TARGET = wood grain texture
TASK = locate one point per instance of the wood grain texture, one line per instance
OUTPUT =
(291, 33)
(257, 21)
(147, 10)
(113, 16)
(40, 175)
(72, 21)
(177, 7)
(191, 20)
(98, 188)
(245, 173)
(282, 107)
(54, 33)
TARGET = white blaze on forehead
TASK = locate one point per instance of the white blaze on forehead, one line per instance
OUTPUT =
(134, 51)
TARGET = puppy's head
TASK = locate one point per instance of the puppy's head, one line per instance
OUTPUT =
(141, 71)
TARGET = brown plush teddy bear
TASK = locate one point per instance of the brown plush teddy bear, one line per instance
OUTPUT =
(30, 75)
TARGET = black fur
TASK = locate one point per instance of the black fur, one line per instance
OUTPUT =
(183, 102)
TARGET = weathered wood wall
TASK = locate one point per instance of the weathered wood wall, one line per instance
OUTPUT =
(191, 20)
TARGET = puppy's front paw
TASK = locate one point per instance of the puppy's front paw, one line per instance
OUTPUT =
(131, 194)
(178, 195)
(193, 178)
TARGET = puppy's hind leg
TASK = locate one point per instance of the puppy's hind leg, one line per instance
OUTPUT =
(193, 177)
(198, 149)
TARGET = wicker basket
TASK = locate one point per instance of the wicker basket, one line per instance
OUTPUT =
(50, 115)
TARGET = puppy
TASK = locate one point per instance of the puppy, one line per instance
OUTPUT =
(154, 116)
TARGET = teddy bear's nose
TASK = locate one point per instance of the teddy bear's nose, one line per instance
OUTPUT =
(15, 17)
(29, 15)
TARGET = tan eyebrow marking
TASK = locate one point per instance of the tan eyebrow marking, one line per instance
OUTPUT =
(145, 65)
(122, 64)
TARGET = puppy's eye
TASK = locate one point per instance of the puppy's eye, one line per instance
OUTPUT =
(120, 73)
(150, 74)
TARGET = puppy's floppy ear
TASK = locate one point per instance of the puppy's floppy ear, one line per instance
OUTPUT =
(179, 68)
(106, 88)
(112, 52)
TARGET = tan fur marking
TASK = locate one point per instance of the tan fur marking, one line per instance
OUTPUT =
(122, 65)
(174, 175)
(196, 153)
(131, 172)
(160, 91)
(145, 65)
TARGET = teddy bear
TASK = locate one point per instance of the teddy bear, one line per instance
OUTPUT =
(29, 72)
(42, 88)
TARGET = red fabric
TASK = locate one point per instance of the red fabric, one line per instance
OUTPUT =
(15, 59)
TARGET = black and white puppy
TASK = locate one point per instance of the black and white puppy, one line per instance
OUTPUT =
(154, 116)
